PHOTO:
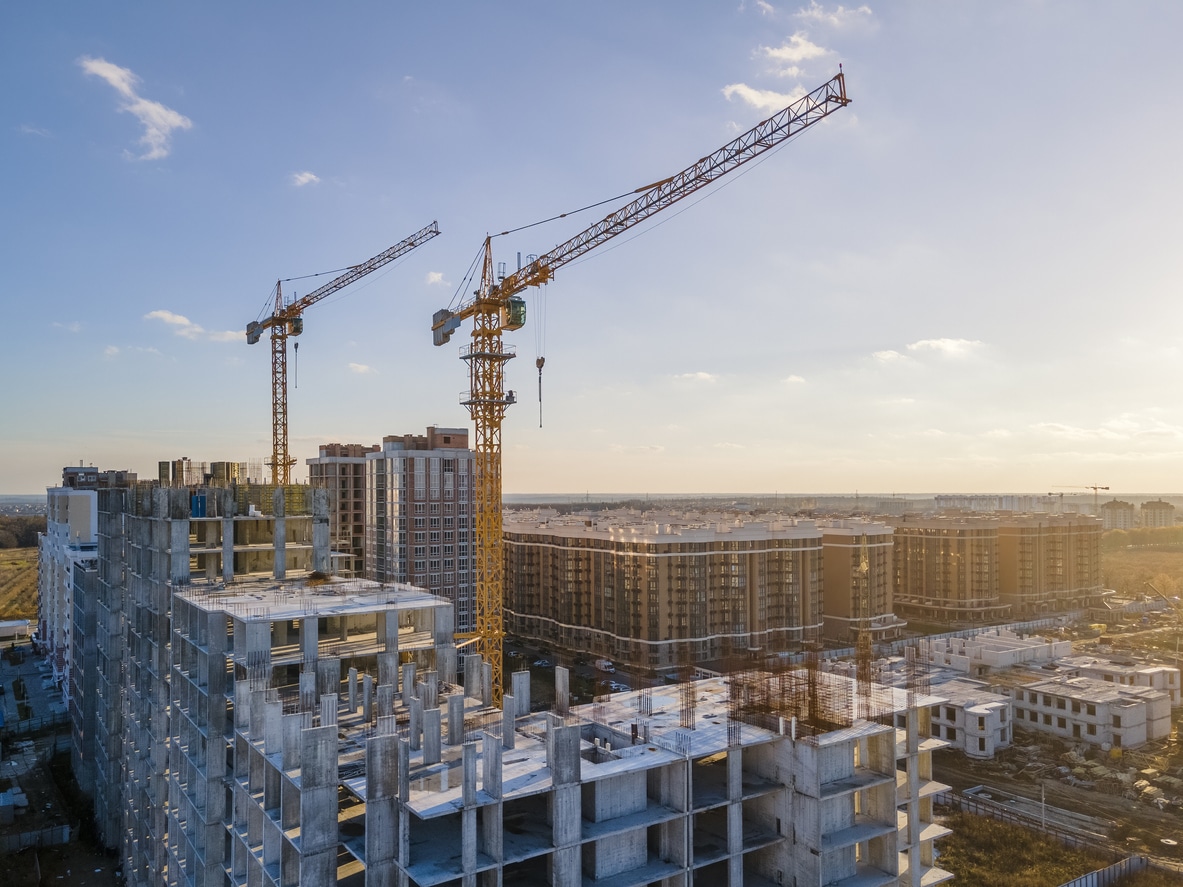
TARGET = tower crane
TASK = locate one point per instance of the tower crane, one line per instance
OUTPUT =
(288, 320)
(498, 307)
(1093, 487)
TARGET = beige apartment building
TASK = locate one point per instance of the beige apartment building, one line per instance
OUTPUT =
(947, 570)
(1048, 563)
(656, 592)
(1158, 513)
(854, 597)
(341, 469)
(1117, 515)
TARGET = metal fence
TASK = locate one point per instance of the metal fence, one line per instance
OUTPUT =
(46, 837)
(1110, 875)
(34, 725)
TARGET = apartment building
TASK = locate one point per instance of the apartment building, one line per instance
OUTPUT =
(946, 570)
(1048, 563)
(658, 591)
(419, 518)
(68, 544)
(857, 581)
(341, 469)
(1117, 515)
(1126, 673)
(1157, 513)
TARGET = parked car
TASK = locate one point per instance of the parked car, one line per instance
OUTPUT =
(618, 687)
(542, 663)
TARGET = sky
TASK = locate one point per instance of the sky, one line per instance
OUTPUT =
(965, 281)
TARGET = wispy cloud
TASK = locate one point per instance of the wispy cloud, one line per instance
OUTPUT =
(726, 445)
(697, 377)
(111, 351)
(763, 99)
(642, 449)
(839, 17)
(436, 278)
(27, 129)
(788, 57)
(888, 356)
(300, 179)
(362, 369)
(72, 327)
(947, 347)
(765, 8)
(794, 380)
(187, 329)
(159, 121)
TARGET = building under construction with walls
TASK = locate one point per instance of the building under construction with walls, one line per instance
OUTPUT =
(259, 723)
(657, 590)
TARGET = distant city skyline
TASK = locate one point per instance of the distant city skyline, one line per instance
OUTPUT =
(965, 281)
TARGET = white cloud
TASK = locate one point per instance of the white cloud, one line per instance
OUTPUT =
(763, 99)
(888, 356)
(765, 8)
(111, 351)
(840, 17)
(158, 120)
(643, 449)
(300, 179)
(794, 380)
(73, 326)
(697, 377)
(798, 48)
(436, 278)
(27, 129)
(947, 347)
(361, 369)
(187, 329)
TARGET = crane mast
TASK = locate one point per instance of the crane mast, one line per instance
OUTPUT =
(498, 307)
(288, 320)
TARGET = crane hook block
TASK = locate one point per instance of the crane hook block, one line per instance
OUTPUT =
(515, 313)
(443, 324)
(254, 330)
(296, 326)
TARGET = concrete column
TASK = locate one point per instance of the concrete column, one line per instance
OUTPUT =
(508, 721)
(445, 662)
(382, 811)
(328, 676)
(472, 675)
(352, 690)
(430, 689)
(455, 719)
(408, 682)
(281, 532)
(367, 696)
(328, 710)
(385, 700)
(431, 736)
(318, 805)
(388, 668)
(521, 692)
(321, 561)
(310, 637)
(468, 839)
(388, 631)
(227, 535)
(562, 690)
(416, 725)
(308, 695)
(486, 683)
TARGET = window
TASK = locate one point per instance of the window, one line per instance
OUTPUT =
(981, 722)
(1117, 740)
(1117, 720)
(1047, 720)
(951, 733)
(1092, 729)
(1092, 710)
(950, 713)
(981, 743)
(1061, 723)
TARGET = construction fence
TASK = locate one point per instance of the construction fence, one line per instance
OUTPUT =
(46, 837)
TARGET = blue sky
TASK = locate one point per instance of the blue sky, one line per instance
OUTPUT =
(967, 280)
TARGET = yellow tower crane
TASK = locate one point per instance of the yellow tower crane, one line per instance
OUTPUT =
(287, 321)
(498, 307)
(1096, 499)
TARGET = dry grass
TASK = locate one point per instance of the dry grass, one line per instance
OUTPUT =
(986, 853)
(18, 583)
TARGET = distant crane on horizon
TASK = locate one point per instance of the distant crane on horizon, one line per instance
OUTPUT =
(1093, 487)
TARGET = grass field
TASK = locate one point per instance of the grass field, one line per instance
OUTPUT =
(983, 852)
(18, 583)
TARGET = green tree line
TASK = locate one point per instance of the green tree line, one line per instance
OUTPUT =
(20, 531)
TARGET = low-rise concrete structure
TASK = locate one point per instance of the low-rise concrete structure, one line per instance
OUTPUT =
(996, 648)
(972, 719)
(1082, 709)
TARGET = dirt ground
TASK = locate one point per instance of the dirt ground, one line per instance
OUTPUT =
(69, 864)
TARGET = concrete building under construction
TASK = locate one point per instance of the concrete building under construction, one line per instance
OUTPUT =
(257, 722)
